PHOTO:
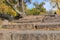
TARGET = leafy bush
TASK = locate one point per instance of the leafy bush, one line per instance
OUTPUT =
(7, 9)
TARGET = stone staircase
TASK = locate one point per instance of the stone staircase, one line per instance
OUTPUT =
(35, 23)
(31, 28)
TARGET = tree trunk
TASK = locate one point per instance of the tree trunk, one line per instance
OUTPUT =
(23, 6)
(14, 8)
(57, 5)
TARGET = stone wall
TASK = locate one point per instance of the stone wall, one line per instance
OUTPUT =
(31, 26)
(32, 35)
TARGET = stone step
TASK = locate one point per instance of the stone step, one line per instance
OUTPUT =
(29, 35)
(39, 18)
(31, 26)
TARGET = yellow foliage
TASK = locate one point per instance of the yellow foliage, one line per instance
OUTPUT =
(42, 13)
(11, 11)
(7, 9)
(58, 11)
(55, 0)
